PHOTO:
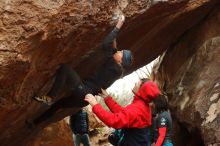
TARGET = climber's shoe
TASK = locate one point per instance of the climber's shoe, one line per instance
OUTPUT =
(44, 99)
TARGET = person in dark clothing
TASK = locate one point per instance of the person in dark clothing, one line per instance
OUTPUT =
(109, 71)
(163, 121)
(79, 125)
(151, 134)
(152, 131)
(134, 119)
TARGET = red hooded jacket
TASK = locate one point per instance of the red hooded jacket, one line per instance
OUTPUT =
(135, 115)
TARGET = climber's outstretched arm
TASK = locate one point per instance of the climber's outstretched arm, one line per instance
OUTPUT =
(109, 43)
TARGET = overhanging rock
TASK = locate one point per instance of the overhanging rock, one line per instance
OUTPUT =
(36, 36)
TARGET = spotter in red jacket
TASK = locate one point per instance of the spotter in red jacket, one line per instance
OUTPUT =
(135, 115)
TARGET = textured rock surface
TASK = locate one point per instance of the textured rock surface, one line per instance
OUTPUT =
(190, 74)
(37, 35)
(58, 134)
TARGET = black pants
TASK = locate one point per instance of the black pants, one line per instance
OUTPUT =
(65, 76)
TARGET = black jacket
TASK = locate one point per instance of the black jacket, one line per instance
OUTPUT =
(109, 71)
(164, 119)
(79, 123)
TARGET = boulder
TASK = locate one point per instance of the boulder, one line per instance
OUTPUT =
(37, 36)
(189, 73)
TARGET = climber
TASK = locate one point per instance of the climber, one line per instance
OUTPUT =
(112, 69)
(134, 119)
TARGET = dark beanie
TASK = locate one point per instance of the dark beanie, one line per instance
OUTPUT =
(127, 58)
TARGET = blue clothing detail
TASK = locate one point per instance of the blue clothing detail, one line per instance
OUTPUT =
(81, 138)
(79, 122)
(116, 137)
(168, 144)
(120, 134)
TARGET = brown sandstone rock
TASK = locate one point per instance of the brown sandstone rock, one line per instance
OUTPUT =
(37, 35)
(190, 74)
(57, 134)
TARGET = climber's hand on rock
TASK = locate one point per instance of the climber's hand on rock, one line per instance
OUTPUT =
(122, 18)
(91, 99)
(121, 21)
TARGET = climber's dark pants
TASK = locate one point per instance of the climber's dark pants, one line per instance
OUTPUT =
(65, 76)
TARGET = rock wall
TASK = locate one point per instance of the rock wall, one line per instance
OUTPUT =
(56, 134)
(190, 74)
(37, 36)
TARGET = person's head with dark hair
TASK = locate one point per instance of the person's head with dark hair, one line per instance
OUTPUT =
(161, 104)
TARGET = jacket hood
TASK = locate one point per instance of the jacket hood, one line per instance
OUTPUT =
(148, 91)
